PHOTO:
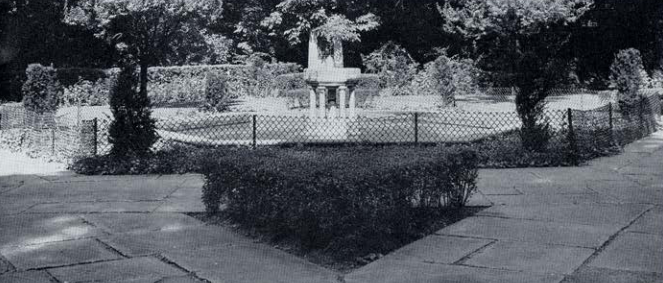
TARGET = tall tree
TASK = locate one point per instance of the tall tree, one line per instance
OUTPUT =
(148, 30)
(522, 42)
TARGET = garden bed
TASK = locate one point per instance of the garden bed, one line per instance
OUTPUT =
(339, 207)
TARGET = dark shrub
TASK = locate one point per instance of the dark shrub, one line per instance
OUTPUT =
(290, 82)
(627, 74)
(176, 159)
(216, 93)
(394, 66)
(41, 90)
(293, 87)
(132, 131)
(350, 201)
(366, 87)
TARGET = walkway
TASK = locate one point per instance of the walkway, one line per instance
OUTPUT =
(602, 222)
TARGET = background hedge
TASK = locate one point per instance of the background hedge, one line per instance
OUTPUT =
(177, 84)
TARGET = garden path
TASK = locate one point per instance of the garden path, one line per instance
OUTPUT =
(602, 222)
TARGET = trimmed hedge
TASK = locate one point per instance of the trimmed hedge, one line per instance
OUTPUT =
(41, 90)
(351, 202)
(178, 84)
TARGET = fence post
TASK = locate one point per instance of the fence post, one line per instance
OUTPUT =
(53, 141)
(416, 127)
(94, 134)
(254, 130)
(573, 147)
(0, 121)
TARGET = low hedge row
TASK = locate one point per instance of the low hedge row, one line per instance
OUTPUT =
(350, 202)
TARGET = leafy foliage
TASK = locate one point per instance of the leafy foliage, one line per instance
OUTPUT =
(132, 131)
(628, 74)
(41, 90)
(144, 30)
(216, 93)
(448, 77)
(395, 67)
(87, 93)
(524, 44)
(297, 18)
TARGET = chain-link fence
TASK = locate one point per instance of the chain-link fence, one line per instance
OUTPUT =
(584, 132)
(38, 134)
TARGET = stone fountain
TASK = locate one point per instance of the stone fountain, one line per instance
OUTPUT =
(332, 98)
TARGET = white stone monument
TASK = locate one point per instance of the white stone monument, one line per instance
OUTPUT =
(328, 82)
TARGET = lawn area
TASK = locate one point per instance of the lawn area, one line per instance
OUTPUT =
(389, 119)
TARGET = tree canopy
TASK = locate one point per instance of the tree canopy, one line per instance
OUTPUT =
(149, 32)
(176, 32)
(521, 43)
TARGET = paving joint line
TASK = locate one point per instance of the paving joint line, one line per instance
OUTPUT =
(111, 248)
(174, 264)
(465, 258)
(53, 279)
(8, 263)
(609, 241)
(46, 268)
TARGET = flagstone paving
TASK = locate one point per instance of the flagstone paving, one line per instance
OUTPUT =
(601, 222)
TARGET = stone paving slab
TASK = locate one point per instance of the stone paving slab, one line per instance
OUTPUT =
(191, 239)
(629, 192)
(180, 279)
(144, 269)
(632, 252)
(181, 206)
(141, 222)
(602, 214)
(391, 271)
(100, 178)
(22, 230)
(12, 206)
(57, 254)
(26, 277)
(650, 223)
(124, 190)
(14, 181)
(648, 145)
(618, 161)
(577, 235)
(530, 257)
(251, 264)
(5, 266)
(573, 175)
(95, 207)
(525, 200)
(438, 249)
(605, 275)
(643, 170)
(553, 188)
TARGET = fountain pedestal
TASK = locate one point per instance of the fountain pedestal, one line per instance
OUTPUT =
(331, 98)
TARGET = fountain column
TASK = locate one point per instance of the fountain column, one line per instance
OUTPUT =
(311, 101)
(352, 104)
(322, 93)
(342, 93)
